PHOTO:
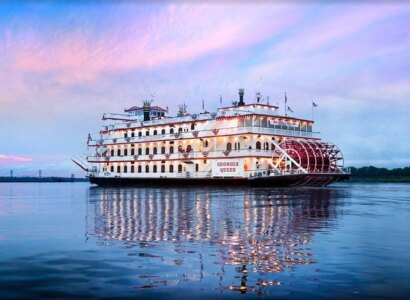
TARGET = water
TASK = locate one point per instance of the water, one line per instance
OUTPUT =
(67, 240)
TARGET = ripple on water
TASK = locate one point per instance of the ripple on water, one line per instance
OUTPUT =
(220, 243)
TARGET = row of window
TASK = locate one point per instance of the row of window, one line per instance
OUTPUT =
(237, 146)
(148, 169)
(139, 151)
(154, 151)
(156, 132)
(265, 146)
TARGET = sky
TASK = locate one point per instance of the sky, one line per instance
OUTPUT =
(64, 64)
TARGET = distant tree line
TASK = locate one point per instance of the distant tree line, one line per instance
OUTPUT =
(380, 172)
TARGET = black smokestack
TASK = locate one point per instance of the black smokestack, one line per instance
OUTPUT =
(147, 110)
(146, 114)
(241, 93)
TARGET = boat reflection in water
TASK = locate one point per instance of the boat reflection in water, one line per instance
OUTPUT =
(239, 240)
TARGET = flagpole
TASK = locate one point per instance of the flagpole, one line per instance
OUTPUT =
(312, 110)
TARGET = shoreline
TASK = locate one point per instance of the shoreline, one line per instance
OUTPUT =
(41, 179)
(69, 179)
(380, 179)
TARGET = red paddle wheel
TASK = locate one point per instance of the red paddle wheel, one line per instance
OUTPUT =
(309, 155)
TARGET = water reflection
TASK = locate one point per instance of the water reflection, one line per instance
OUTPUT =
(191, 235)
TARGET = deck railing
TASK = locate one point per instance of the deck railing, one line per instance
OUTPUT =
(201, 134)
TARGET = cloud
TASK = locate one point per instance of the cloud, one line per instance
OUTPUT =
(63, 67)
(178, 34)
(13, 159)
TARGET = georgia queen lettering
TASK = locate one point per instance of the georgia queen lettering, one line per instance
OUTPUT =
(227, 166)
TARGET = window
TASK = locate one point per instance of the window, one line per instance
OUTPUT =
(139, 133)
(132, 133)
(119, 152)
(192, 126)
(171, 131)
(180, 129)
(189, 148)
(155, 132)
(237, 146)
(139, 169)
(125, 169)
(272, 147)
(132, 169)
(179, 168)
(171, 149)
(147, 169)
(196, 167)
(112, 152)
(118, 169)
(162, 168)
(125, 152)
(146, 151)
(258, 145)
(155, 169)
(206, 143)
(155, 150)
(162, 150)
(171, 169)
(163, 131)
(132, 151)
(265, 146)
(139, 151)
(112, 169)
(125, 134)
(147, 133)
(229, 146)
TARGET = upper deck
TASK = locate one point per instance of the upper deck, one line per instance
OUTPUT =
(253, 118)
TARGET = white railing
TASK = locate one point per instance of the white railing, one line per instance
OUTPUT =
(175, 174)
(201, 134)
(165, 121)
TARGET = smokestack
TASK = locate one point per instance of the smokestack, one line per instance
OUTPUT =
(147, 110)
(241, 92)
(146, 114)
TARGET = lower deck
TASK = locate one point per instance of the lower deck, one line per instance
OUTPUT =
(266, 181)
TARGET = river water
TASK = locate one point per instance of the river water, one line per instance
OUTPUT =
(65, 240)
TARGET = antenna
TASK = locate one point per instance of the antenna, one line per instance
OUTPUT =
(258, 97)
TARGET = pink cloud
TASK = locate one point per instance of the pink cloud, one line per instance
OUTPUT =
(12, 159)
(178, 34)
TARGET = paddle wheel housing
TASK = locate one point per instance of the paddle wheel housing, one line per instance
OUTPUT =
(307, 156)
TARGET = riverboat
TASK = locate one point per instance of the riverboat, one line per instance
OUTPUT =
(242, 144)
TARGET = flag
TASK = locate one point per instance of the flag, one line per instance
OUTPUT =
(220, 99)
(286, 99)
(167, 108)
(314, 104)
(289, 109)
